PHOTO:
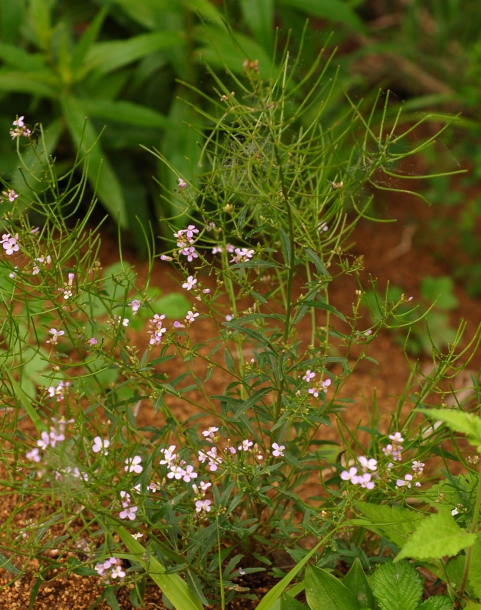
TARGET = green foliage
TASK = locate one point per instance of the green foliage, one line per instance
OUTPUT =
(264, 233)
(397, 586)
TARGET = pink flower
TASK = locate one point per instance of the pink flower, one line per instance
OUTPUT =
(245, 445)
(128, 512)
(100, 445)
(55, 335)
(135, 306)
(181, 183)
(203, 506)
(309, 375)
(278, 450)
(133, 464)
(189, 283)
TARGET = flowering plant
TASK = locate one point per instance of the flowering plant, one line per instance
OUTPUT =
(214, 495)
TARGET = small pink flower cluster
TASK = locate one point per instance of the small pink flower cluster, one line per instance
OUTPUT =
(10, 244)
(228, 248)
(185, 239)
(156, 330)
(59, 391)
(178, 469)
(395, 448)
(129, 509)
(365, 478)
(20, 129)
(242, 255)
(418, 469)
(41, 261)
(320, 387)
(49, 439)
(11, 195)
(111, 568)
(68, 287)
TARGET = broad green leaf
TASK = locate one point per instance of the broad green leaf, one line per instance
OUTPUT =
(105, 57)
(100, 173)
(43, 84)
(181, 146)
(289, 603)
(437, 602)
(397, 586)
(172, 305)
(395, 524)
(221, 51)
(474, 576)
(335, 11)
(88, 38)
(459, 421)
(437, 536)
(326, 592)
(12, 15)
(174, 588)
(259, 16)
(39, 14)
(356, 581)
(441, 290)
(22, 60)
(206, 9)
(125, 112)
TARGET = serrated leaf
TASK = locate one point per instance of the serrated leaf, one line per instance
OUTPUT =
(437, 602)
(458, 421)
(325, 592)
(474, 576)
(395, 524)
(356, 581)
(397, 586)
(437, 536)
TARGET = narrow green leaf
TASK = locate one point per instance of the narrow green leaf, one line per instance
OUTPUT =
(335, 11)
(397, 586)
(125, 112)
(88, 38)
(39, 13)
(318, 304)
(435, 537)
(229, 362)
(259, 16)
(105, 57)
(325, 592)
(319, 265)
(205, 8)
(356, 581)
(252, 400)
(33, 83)
(286, 247)
(26, 403)
(22, 60)
(6, 565)
(100, 172)
(289, 603)
(174, 588)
